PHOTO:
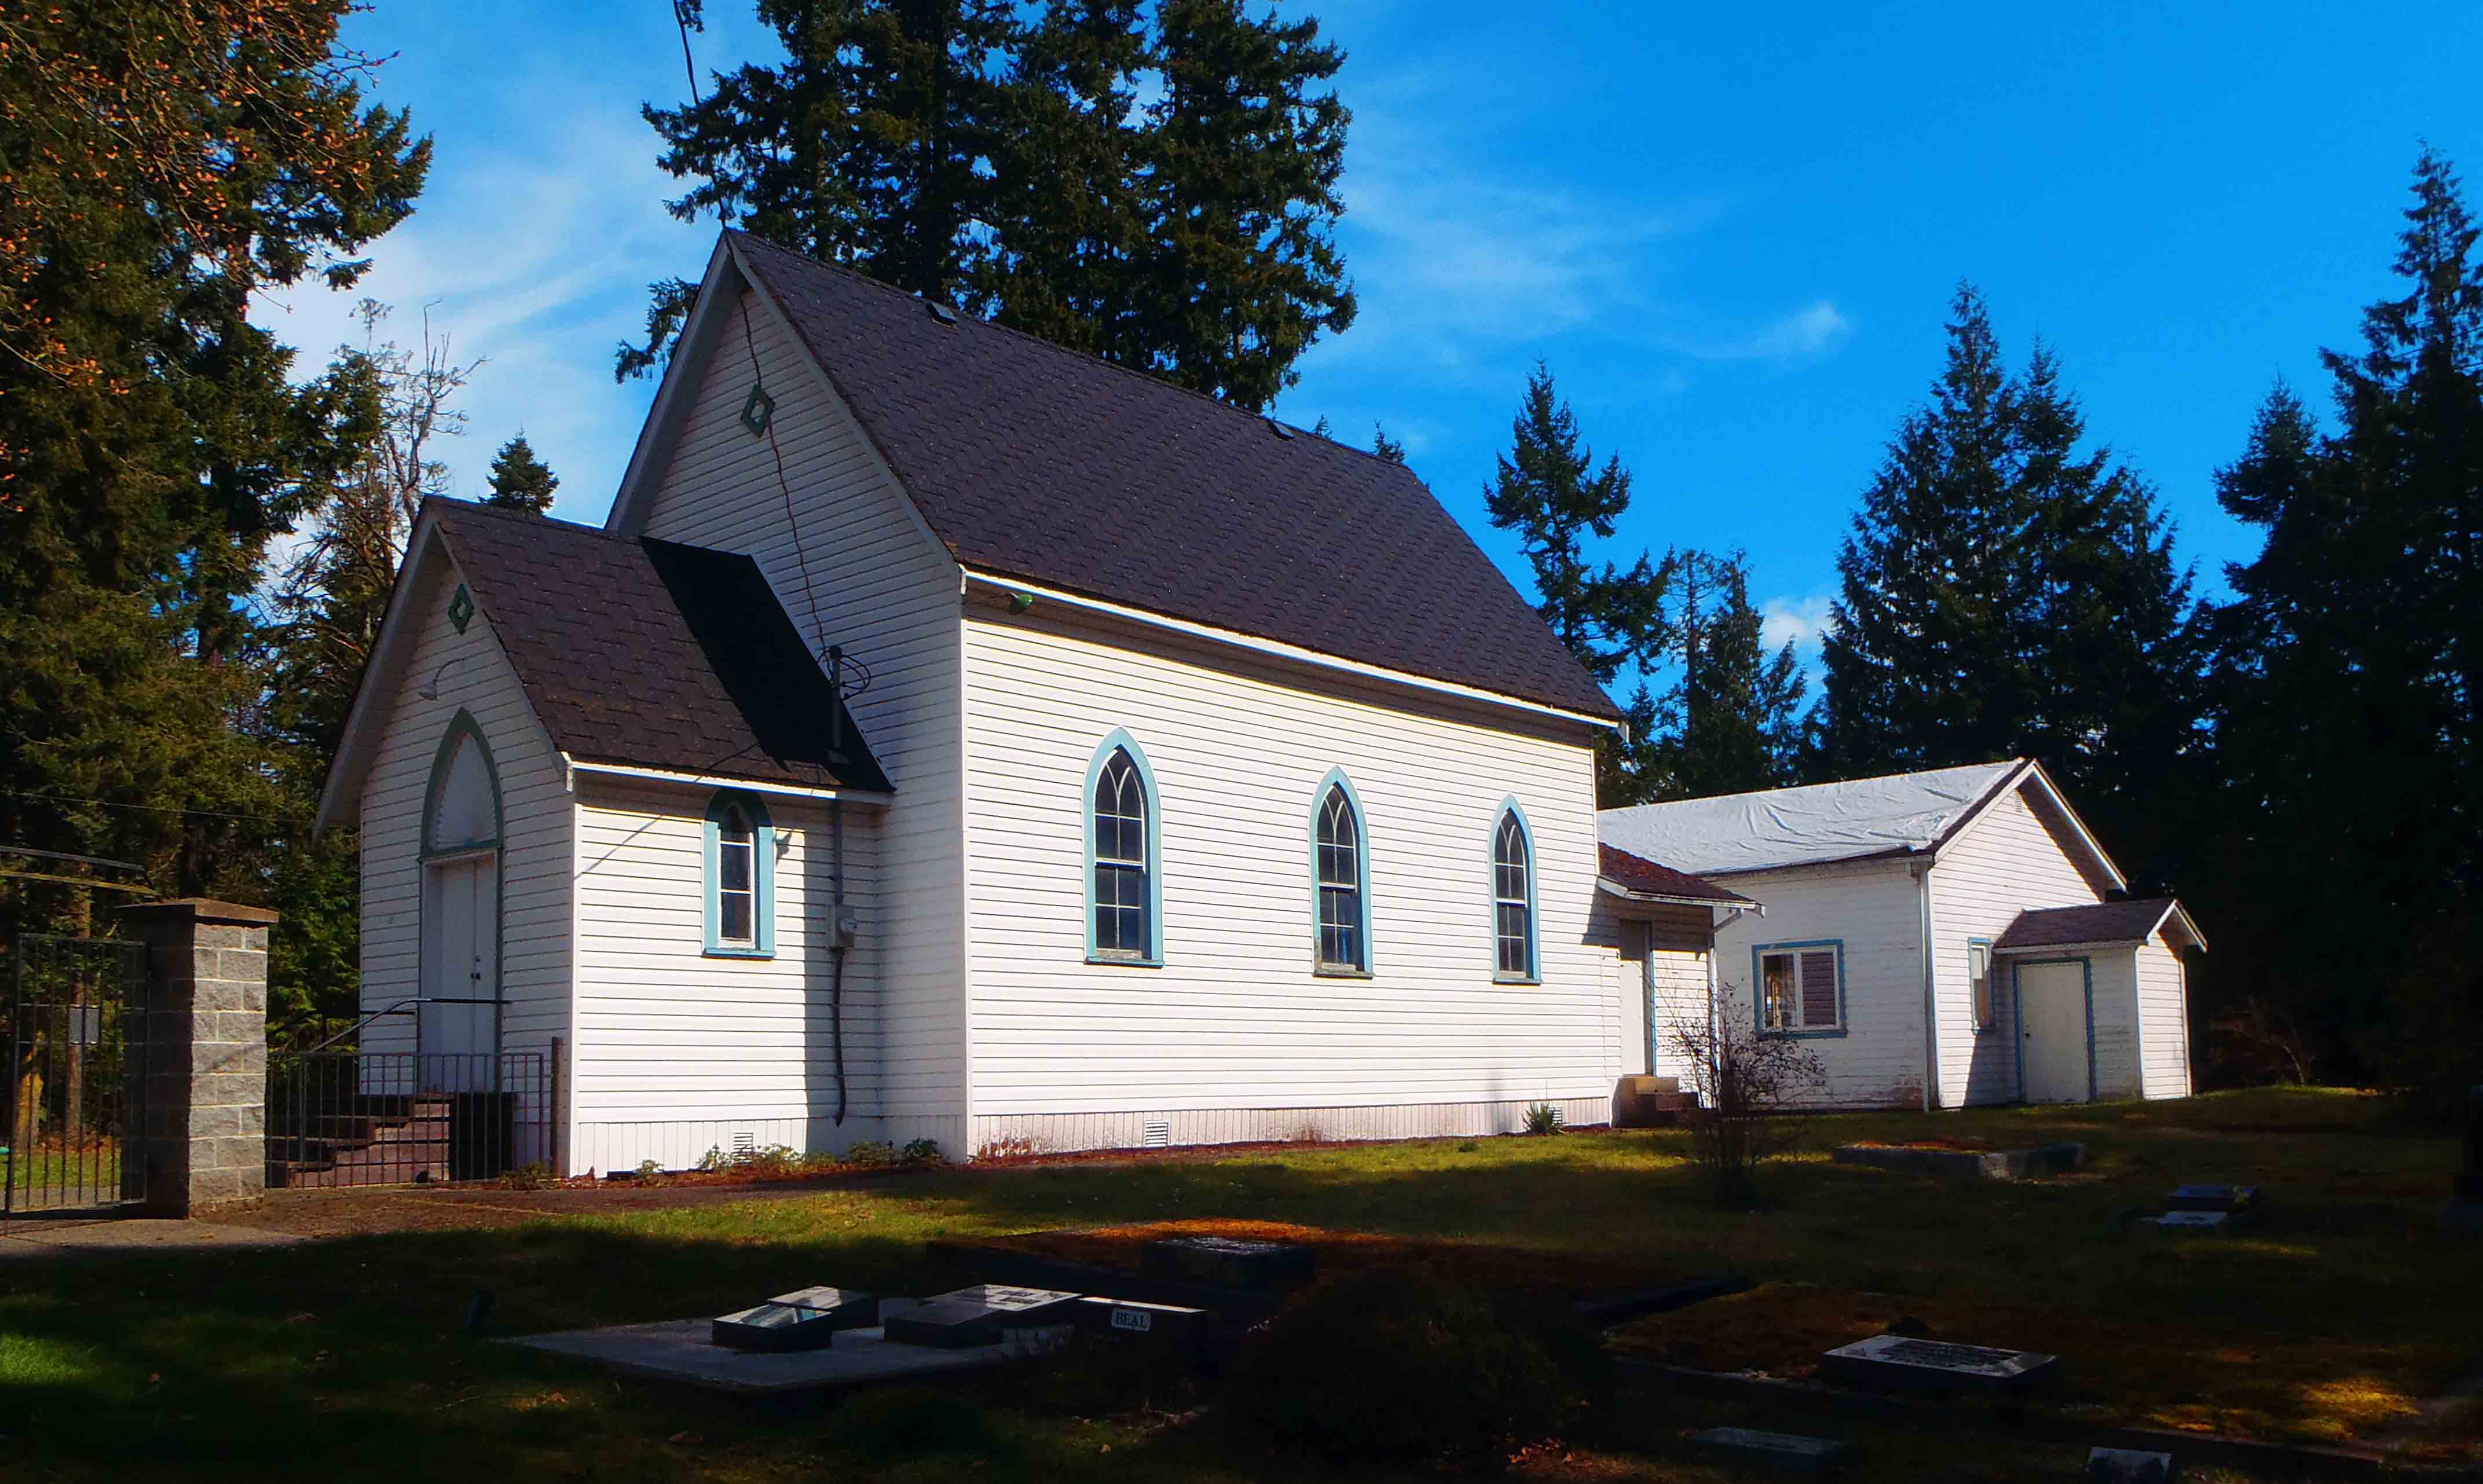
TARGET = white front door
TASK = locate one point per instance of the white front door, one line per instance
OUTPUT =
(2052, 1031)
(461, 933)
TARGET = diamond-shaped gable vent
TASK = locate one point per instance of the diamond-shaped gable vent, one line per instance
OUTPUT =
(756, 411)
(461, 608)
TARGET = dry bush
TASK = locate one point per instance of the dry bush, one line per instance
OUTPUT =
(1755, 1087)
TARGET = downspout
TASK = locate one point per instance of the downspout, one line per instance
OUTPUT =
(839, 935)
(1930, 999)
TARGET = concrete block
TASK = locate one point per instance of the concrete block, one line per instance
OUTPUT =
(242, 965)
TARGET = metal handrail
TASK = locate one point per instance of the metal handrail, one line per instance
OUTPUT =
(356, 1028)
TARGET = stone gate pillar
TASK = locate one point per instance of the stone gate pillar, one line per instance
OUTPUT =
(205, 1087)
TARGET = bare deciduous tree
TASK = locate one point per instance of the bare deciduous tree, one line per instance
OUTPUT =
(1753, 1088)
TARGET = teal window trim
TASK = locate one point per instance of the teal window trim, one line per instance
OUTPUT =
(1120, 741)
(2018, 1014)
(1991, 967)
(1510, 808)
(763, 878)
(461, 727)
(1759, 990)
(1320, 965)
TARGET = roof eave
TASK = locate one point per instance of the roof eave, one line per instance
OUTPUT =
(375, 689)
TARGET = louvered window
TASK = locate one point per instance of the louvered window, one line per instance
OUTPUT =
(1800, 988)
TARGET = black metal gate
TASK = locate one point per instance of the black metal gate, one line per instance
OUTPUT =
(75, 1099)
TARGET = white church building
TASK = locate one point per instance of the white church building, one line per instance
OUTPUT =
(951, 737)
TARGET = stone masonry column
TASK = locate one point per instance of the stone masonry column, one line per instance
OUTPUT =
(205, 1085)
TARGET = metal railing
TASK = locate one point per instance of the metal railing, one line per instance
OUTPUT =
(403, 1118)
(73, 1032)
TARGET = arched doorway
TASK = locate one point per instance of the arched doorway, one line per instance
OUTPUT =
(458, 1024)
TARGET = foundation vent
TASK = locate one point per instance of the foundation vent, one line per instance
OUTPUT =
(1156, 1135)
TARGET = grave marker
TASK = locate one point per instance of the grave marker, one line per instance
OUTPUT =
(1894, 1362)
(2212, 1198)
(2465, 1211)
(804, 1319)
(2196, 1220)
(2127, 1466)
(1131, 1318)
(1785, 1452)
(1231, 1262)
(977, 1315)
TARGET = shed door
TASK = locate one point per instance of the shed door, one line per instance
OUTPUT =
(2052, 1030)
(460, 953)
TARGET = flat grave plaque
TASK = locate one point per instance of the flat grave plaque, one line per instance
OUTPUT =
(2196, 1220)
(1785, 1452)
(977, 1315)
(1232, 1262)
(2127, 1466)
(1896, 1363)
(1140, 1321)
(2212, 1198)
(804, 1319)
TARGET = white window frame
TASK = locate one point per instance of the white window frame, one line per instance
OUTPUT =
(1799, 953)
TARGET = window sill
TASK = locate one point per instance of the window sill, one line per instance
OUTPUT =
(1115, 961)
(1500, 978)
(739, 953)
(1339, 971)
(1822, 1033)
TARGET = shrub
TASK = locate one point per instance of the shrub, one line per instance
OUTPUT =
(534, 1176)
(650, 1172)
(896, 1422)
(1754, 1086)
(921, 1152)
(1544, 1118)
(1384, 1367)
(870, 1153)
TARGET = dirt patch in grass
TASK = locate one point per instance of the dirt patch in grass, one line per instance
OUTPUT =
(1956, 1145)
(2233, 1381)
(1472, 1265)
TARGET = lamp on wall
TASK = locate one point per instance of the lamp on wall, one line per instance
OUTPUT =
(429, 690)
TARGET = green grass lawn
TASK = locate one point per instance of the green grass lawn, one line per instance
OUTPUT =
(345, 1360)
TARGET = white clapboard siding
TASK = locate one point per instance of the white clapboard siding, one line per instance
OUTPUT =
(1235, 1028)
(1678, 979)
(2010, 859)
(474, 675)
(677, 1052)
(1873, 908)
(2163, 1019)
(865, 575)
(1663, 966)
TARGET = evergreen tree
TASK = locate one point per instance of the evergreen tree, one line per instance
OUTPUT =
(1739, 707)
(1382, 446)
(521, 481)
(167, 163)
(1550, 492)
(2346, 736)
(2006, 594)
(961, 151)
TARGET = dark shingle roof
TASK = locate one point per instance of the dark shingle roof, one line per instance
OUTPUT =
(1034, 461)
(1642, 875)
(2103, 923)
(653, 653)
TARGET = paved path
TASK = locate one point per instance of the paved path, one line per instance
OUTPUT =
(35, 1237)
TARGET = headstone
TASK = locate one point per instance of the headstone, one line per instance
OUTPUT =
(804, 1319)
(2127, 1466)
(1785, 1452)
(977, 1315)
(1128, 1317)
(2212, 1198)
(1231, 1262)
(2195, 1221)
(1894, 1362)
(2465, 1211)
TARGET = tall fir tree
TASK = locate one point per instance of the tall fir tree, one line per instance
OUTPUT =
(1740, 707)
(1384, 447)
(2346, 724)
(1014, 164)
(168, 164)
(521, 481)
(2006, 592)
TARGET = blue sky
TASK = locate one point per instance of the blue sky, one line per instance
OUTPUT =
(1731, 231)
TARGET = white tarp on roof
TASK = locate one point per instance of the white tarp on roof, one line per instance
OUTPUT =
(1757, 832)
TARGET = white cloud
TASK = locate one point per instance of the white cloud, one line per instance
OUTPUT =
(1800, 622)
(1809, 331)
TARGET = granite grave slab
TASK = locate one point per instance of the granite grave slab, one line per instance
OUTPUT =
(804, 1319)
(1782, 1452)
(978, 1315)
(2000, 1165)
(2195, 1221)
(1897, 1362)
(2128, 1465)
(680, 1351)
(1233, 1262)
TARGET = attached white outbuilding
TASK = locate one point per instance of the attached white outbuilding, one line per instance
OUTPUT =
(1941, 938)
